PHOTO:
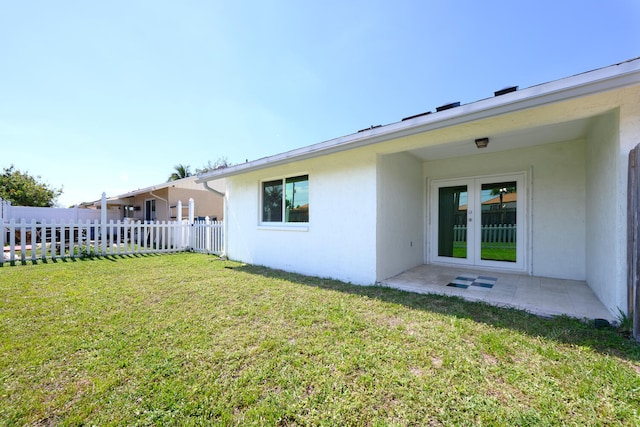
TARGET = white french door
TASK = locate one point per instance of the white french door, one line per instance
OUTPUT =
(479, 221)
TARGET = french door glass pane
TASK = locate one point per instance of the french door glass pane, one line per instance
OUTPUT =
(452, 221)
(499, 207)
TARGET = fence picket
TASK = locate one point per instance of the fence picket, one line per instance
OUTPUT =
(118, 233)
(165, 246)
(12, 241)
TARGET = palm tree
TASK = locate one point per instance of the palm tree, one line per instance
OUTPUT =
(181, 171)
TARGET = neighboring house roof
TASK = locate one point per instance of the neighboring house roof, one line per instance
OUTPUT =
(608, 78)
(301, 208)
(506, 198)
(170, 184)
(187, 183)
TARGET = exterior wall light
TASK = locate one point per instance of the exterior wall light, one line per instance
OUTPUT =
(482, 142)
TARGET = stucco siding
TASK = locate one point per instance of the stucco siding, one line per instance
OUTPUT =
(206, 203)
(629, 137)
(602, 166)
(400, 225)
(611, 137)
(339, 241)
(556, 207)
(162, 208)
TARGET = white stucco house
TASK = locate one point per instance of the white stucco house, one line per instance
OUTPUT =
(367, 206)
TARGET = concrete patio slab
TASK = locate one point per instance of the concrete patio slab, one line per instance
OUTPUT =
(538, 295)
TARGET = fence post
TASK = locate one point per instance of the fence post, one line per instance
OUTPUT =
(6, 210)
(103, 224)
(191, 236)
(191, 211)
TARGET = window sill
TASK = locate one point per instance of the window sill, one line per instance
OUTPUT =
(283, 227)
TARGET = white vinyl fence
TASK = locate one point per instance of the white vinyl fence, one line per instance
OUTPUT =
(206, 237)
(74, 214)
(35, 240)
(22, 241)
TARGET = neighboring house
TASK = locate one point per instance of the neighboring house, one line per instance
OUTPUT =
(160, 202)
(370, 205)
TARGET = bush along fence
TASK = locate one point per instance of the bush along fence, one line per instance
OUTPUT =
(23, 241)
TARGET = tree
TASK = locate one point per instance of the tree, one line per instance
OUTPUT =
(181, 171)
(221, 163)
(22, 189)
(501, 189)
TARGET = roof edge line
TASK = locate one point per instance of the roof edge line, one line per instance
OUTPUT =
(609, 79)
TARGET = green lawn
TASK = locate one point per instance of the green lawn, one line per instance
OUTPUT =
(187, 339)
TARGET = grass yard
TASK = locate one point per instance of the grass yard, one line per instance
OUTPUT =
(187, 339)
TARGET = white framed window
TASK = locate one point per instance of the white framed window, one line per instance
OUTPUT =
(285, 200)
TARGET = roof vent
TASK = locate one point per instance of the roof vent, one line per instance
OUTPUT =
(447, 106)
(416, 115)
(369, 128)
(505, 90)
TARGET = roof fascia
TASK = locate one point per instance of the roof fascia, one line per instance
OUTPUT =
(601, 80)
(153, 188)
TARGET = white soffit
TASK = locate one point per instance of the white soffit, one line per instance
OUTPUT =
(560, 132)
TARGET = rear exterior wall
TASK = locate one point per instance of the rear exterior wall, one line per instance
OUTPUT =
(338, 242)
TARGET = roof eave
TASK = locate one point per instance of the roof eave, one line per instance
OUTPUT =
(600, 80)
(153, 188)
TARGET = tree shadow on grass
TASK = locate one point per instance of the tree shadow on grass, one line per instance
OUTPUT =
(562, 329)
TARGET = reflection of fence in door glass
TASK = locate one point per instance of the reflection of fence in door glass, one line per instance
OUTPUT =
(499, 225)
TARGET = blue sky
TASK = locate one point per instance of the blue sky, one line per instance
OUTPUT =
(108, 96)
